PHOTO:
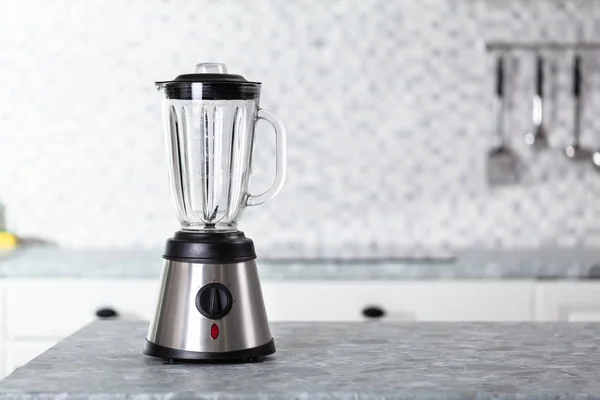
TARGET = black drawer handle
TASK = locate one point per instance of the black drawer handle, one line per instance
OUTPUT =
(106, 313)
(373, 312)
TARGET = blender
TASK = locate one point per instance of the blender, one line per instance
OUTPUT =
(210, 304)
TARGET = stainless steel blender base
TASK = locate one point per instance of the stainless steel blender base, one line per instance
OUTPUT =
(209, 312)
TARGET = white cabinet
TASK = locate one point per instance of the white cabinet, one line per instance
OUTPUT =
(56, 308)
(2, 330)
(567, 301)
(37, 313)
(399, 300)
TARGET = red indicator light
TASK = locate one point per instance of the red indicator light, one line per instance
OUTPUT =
(214, 331)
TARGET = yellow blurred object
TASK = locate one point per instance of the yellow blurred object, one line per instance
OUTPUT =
(8, 240)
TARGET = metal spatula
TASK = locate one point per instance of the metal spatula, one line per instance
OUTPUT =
(502, 162)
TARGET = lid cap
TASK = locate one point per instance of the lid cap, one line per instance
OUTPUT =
(211, 68)
(210, 81)
(210, 73)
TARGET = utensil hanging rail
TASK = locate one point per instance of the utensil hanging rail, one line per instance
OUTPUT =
(538, 46)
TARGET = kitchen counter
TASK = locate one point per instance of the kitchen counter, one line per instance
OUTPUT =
(551, 263)
(331, 360)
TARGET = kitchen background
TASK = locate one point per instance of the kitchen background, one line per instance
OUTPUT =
(387, 106)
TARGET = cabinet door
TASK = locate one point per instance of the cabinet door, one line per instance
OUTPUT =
(399, 301)
(567, 301)
(20, 353)
(58, 307)
(3, 371)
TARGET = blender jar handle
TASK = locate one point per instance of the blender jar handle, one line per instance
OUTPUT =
(280, 160)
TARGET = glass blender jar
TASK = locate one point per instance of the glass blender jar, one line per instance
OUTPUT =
(210, 118)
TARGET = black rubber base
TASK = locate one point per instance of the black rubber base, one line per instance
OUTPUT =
(250, 355)
(210, 248)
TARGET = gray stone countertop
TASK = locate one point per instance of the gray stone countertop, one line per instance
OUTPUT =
(331, 361)
(550, 263)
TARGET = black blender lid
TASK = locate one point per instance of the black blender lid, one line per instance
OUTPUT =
(210, 73)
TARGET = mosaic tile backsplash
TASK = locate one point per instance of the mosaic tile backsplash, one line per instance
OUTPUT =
(387, 106)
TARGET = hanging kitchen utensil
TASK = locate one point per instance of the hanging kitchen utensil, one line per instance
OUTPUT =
(502, 162)
(537, 137)
(575, 151)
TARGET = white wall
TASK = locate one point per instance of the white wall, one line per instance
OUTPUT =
(386, 104)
